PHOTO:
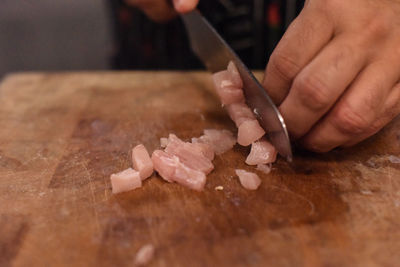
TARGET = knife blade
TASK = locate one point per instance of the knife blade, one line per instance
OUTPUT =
(215, 54)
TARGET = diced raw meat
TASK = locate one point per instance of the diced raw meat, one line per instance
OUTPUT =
(125, 180)
(190, 178)
(141, 161)
(165, 164)
(189, 154)
(240, 112)
(235, 76)
(394, 159)
(249, 180)
(163, 142)
(223, 79)
(205, 149)
(170, 168)
(265, 168)
(262, 152)
(226, 89)
(144, 255)
(220, 140)
(249, 131)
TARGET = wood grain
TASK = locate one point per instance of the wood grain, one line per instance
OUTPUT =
(63, 134)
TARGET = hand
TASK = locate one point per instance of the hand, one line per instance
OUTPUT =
(163, 10)
(336, 71)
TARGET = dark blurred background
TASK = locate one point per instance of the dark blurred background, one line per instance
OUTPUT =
(54, 35)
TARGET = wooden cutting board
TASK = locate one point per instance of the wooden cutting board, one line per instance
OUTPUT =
(62, 135)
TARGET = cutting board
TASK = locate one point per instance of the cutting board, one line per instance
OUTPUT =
(63, 134)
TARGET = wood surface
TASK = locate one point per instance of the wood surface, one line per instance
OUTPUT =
(63, 134)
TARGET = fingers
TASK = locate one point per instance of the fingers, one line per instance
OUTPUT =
(305, 37)
(184, 6)
(318, 86)
(392, 109)
(156, 10)
(369, 103)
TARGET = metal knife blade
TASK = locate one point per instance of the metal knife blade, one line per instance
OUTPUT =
(215, 53)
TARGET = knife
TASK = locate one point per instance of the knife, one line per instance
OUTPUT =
(215, 54)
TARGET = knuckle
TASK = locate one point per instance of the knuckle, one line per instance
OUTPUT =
(283, 65)
(312, 92)
(349, 121)
(377, 27)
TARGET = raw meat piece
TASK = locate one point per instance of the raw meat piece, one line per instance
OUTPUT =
(265, 168)
(235, 76)
(394, 159)
(125, 180)
(163, 142)
(262, 152)
(249, 131)
(240, 112)
(189, 154)
(164, 164)
(170, 168)
(204, 148)
(220, 140)
(249, 180)
(141, 161)
(144, 255)
(190, 178)
(226, 89)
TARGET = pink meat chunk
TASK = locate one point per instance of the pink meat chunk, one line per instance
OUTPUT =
(248, 180)
(220, 140)
(226, 89)
(125, 180)
(163, 142)
(165, 164)
(265, 168)
(141, 161)
(240, 112)
(171, 169)
(144, 255)
(249, 132)
(189, 154)
(262, 152)
(204, 148)
(235, 76)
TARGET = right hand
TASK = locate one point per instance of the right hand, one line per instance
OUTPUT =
(163, 10)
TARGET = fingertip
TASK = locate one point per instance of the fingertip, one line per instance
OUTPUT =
(184, 6)
(313, 143)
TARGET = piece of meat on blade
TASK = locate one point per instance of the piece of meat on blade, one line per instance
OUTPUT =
(262, 152)
(189, 154)
(235, 76)
(171, 169)
(141, 161)
(220, 140)
(249, 132)
(226, 89)
(125, 180)
(248, 180)
(240, 112)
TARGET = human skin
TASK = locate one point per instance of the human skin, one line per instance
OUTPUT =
(335, 74)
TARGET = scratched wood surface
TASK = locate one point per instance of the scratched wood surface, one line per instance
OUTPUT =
(62, 135)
